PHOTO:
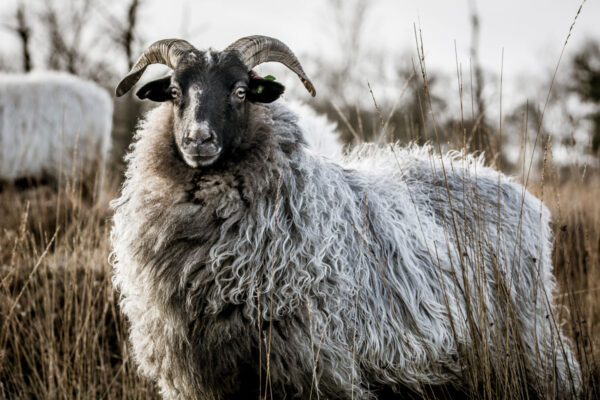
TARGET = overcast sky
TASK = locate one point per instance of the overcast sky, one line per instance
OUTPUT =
(530, 31)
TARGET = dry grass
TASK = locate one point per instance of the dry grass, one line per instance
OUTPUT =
(576, 212)
(61, 335)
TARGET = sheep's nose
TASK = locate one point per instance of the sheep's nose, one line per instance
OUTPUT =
(199, 137)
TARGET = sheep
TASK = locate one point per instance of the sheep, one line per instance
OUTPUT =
(48, 120)
(319, 132)
(249, 266)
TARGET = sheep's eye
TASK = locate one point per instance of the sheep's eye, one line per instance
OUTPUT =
(174, 92)
(240, 93)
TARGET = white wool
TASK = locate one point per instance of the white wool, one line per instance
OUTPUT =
(320, 133)
(50, 119)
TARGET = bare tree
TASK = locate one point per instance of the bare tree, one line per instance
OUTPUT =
(24, 32)
(124, 31)
(586, 84)
(22, 29)
(65, 28)
(129, 34)
(480, 140)
(349, 19)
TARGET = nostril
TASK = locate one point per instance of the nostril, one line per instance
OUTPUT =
(199, 137)
(205, 136)
(187, 140)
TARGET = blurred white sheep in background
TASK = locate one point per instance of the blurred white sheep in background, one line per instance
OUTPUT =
(320, 133)
(50, 120)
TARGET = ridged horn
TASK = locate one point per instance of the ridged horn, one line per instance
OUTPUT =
(255, 50)
(166, 51)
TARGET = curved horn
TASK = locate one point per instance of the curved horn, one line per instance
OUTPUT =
(258, 49)
(167, 52)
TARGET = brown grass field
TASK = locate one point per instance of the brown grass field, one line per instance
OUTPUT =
(62, 336)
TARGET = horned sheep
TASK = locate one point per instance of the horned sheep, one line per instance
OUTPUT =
(247, 263)
(52, 123)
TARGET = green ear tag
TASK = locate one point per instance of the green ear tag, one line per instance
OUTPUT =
(269, 77)
(259, 89)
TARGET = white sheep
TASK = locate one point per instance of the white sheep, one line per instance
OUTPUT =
(320, 133)
(52, 123)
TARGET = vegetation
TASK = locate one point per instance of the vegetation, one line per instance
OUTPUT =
(61, 332)
(62, 335)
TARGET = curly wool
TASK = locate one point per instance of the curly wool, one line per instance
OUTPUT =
(333, 278)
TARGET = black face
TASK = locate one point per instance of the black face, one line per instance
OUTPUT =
(210, 92)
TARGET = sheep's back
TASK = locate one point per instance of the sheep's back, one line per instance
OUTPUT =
(48, 120)
(445, 237)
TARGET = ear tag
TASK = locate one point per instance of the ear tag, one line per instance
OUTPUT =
(261, 88)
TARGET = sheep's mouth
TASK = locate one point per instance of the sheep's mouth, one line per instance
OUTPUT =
(201, 158)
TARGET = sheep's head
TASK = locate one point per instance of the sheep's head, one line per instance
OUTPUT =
(210, 90)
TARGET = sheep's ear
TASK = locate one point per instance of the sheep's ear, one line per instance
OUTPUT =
(157, 90)
(263, 90)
